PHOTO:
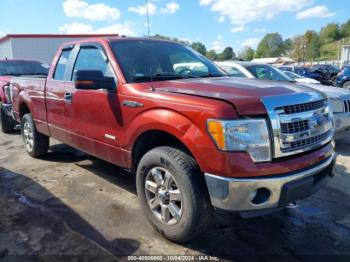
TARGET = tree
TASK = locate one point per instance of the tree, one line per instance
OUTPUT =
(329, 33)
(247, 54)
(199, 47)
(212, 55)
(345, 29)
(227, 54)
(270, 46)
(288, 46)
(312, 45)
(298, 49)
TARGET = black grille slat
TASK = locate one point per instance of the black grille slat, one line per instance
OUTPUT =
(300, 108)
(294, 127)
(307, 142)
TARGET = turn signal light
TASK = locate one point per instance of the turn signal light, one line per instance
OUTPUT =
(216, 131)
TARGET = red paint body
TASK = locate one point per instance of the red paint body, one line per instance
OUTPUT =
(178, 107)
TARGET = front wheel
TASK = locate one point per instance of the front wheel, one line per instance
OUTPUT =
(346, 85)
(173, 194)
(36, 144)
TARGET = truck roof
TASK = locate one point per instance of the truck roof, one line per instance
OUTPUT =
(117, 38)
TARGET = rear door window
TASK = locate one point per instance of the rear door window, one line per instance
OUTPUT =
(62, 65)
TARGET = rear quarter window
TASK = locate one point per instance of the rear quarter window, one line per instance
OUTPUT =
(62, 65)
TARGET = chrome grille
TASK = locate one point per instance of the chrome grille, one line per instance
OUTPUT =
(298, 126)
(295, 127)
(346, 106)
(309, 141)
(294, 109)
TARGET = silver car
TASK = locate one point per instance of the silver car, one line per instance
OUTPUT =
(339, 98)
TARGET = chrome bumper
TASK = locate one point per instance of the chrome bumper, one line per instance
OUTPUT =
(8, 111)
(249, 194)
(341, 122)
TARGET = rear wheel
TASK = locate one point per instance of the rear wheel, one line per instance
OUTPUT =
(36, 144)
(6, 124)
(173, 194)
(346, 85)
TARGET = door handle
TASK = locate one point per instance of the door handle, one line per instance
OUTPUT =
(68, 97)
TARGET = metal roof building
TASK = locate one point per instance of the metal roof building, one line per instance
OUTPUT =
(38, 47)
(274, 60)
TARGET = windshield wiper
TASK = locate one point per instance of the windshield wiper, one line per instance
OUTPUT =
(211, 75)
(163, 76)
(33, 74)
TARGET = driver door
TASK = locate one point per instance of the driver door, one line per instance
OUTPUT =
(93, 116)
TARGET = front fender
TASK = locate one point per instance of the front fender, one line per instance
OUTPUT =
(193, 135)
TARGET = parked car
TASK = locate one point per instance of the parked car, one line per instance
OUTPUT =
(329, 72)
(301, 79)
(9, 69)
(339, 98)
(309, 72)
(343, 78)
(195, 138)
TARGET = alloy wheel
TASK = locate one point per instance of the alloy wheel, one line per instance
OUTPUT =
(163, 196)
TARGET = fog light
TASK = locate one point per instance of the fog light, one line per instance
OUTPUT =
(262, 195)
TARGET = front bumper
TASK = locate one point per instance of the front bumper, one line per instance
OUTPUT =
(252, 194)
(341, 122)
(8, 109)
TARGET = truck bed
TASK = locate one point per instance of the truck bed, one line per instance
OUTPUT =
(32, 91)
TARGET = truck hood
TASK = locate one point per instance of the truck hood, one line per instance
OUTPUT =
(244, 94)
(330, 91)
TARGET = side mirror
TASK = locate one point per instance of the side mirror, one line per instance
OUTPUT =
(93, 80)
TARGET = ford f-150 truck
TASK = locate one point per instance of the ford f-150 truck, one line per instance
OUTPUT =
(196, 138)
(11, 68)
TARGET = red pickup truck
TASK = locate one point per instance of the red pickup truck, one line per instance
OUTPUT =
(11, 68)
(196, 138)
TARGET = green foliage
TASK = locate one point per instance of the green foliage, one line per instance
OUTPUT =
(345, 29)
(329, 33)
(313, 45)
(199, 47)
(212, 55)
(247, 54)
(227, 54)
(271, 45)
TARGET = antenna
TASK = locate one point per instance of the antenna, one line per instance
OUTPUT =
(148, 25)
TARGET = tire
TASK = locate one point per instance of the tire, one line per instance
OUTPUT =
(6, 125)
(195, 209)
(36, 144)
(346, 85)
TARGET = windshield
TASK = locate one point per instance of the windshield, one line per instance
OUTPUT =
(269, 73)
(292, 75)
(17, 68)
(145, 61)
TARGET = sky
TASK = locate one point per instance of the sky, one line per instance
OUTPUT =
(216, 23)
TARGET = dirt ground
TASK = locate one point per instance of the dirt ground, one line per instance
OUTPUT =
(72, 204)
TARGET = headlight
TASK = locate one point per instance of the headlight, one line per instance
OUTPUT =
(336, 105)
(251, 136)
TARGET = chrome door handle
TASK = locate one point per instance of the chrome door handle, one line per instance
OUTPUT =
(68, 97)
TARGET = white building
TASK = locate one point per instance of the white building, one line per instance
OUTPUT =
(37, 47)
(345, 56)
(274, 60)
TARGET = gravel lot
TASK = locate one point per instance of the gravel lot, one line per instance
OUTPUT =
(70, 203)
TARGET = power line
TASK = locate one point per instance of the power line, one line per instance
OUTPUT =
(148, 25)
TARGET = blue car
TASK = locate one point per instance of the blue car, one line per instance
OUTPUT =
(343, 78)
(303, 71)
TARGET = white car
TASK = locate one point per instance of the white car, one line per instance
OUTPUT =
(301, 79)
(339, 98)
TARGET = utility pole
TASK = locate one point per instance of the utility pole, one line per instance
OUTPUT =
(148, 25)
